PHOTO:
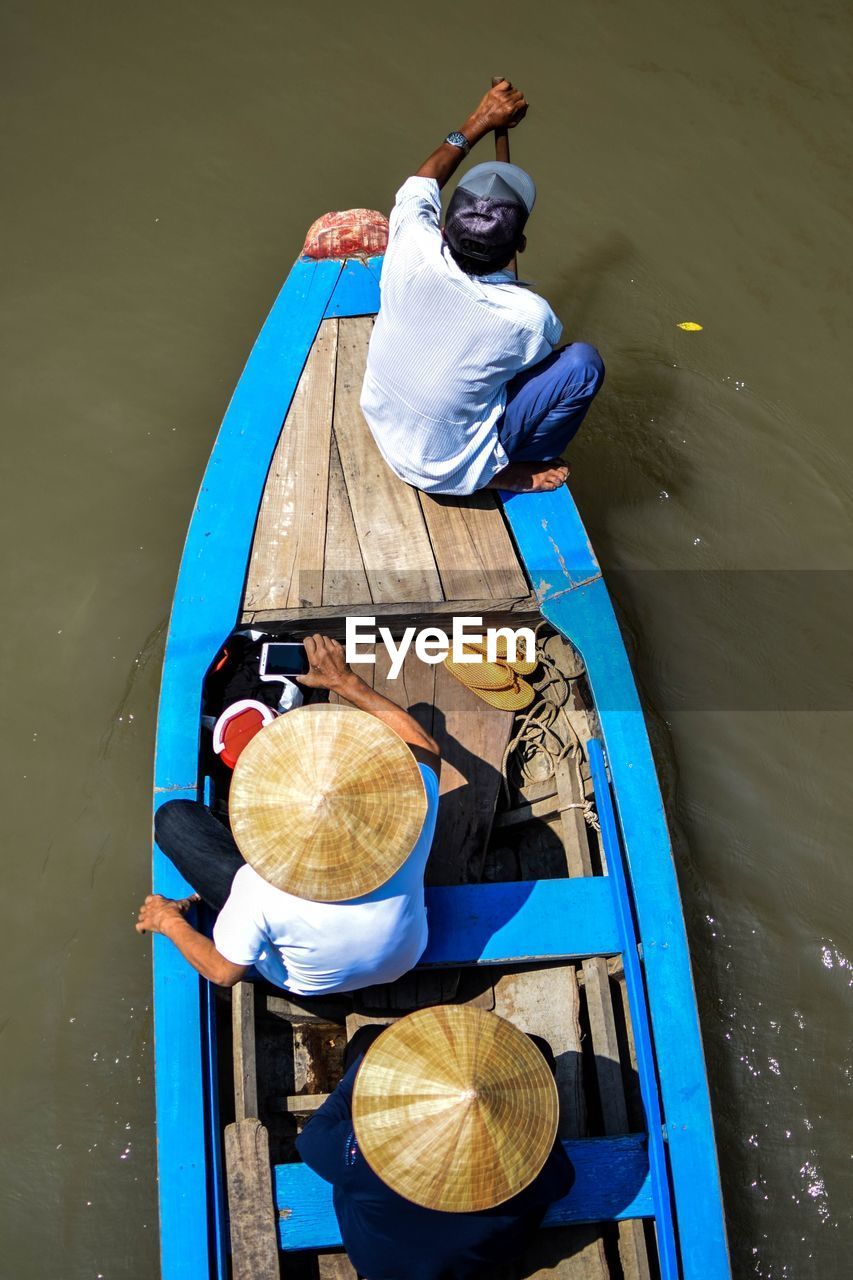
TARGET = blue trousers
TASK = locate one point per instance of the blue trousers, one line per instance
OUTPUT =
(546, 404)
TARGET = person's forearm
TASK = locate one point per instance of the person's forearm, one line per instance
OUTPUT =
(501, 108)
(354, 689)
(446, 159)
(200, 952)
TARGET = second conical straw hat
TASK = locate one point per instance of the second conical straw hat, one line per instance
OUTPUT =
(326, 802)
(455, 1108)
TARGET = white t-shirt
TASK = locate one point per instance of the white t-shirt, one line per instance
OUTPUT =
(315, 947)
(444, 347)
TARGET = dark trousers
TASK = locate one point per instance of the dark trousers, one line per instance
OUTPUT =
(546, 404)
(200, 846)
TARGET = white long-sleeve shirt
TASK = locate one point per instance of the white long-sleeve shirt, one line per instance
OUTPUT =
(444, 347)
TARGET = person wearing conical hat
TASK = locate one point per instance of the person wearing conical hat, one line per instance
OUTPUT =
(441, 1145)
(319, 884)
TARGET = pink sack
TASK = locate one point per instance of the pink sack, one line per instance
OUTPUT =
(352, 233)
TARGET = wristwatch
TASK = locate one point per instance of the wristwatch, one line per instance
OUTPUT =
(457, 139)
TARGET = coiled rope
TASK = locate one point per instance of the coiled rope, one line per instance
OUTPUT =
(544, 735)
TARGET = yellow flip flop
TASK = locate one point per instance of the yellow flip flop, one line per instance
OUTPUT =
(514, 696)
(481, 675)
(520, 667)
(515, 699)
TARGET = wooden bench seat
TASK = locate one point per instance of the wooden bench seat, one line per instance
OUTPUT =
(611, 1185)
(521, 922)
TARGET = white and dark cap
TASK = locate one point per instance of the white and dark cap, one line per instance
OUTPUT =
(496, 179)
(488, 211)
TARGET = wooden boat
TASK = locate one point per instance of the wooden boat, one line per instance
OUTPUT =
(552, 892)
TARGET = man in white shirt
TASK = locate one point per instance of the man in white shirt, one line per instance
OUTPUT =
(310, 945)
(464, 388)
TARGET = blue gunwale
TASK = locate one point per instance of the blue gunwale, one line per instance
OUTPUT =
(206, 606)
(573, 597)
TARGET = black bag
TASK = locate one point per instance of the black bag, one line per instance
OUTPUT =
(233, 676)
(236, 675)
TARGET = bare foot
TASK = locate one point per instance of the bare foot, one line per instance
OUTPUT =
(531, 477)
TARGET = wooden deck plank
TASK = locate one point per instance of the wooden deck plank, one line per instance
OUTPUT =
(545, 1003)
(344, 579)
(545, 808)
(251, 1211)
(335, 1266)
(243, 1037)
(397, 553)
(254, 1250)
(569, 1253)
(356, 1020)
(414, 687)
(399, 613)
(322, 1008)
(302, 1104)
(473, 548)
(602, 1026)
(286, 564)
(473, 737)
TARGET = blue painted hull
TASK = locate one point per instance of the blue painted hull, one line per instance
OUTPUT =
(573, 597)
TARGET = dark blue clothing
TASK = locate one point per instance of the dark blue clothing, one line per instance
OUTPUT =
(201, 847)
(388, 1237)
(546, 404)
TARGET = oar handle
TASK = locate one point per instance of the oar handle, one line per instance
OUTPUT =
(501, 135)
(502, 153)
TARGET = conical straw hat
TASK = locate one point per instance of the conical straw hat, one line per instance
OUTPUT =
(455, 1109)
(326, 802)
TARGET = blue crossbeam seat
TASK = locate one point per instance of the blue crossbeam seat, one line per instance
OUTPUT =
(611, 1184)
(521, 921)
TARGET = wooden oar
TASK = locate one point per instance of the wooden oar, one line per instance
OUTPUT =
(502, 153)
(501, 135)
(251, 1208)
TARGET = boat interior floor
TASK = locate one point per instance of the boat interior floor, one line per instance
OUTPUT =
(516, 805)
(338, 533)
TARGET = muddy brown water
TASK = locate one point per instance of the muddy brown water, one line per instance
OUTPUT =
(161, 165)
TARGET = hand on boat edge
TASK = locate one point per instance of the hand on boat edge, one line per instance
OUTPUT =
(156, 912)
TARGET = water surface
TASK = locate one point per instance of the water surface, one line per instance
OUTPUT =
(161, 165)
